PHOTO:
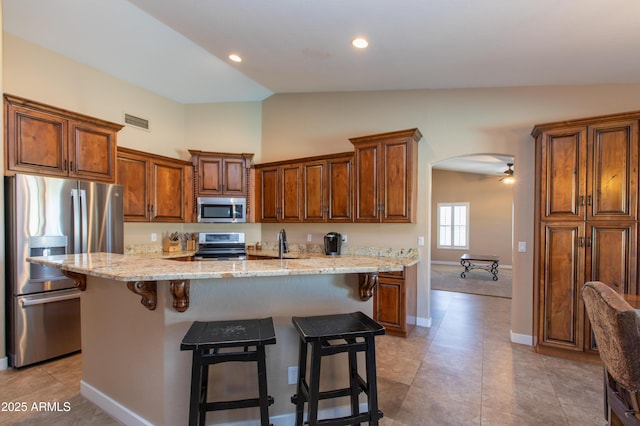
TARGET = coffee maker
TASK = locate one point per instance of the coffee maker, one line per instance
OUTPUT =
(332, 244)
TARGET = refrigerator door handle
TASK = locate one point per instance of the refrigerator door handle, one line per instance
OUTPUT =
(44, 300)
(75, 223)
(83, 221)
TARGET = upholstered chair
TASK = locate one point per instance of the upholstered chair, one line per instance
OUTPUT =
(616, 327)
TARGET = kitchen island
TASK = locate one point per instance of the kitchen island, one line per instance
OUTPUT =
(135, 311)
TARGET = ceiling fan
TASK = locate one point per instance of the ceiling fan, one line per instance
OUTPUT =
(508, 175)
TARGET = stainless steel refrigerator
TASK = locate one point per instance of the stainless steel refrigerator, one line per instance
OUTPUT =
(48, 216)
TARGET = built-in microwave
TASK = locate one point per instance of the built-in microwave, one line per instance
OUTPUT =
(230, 210)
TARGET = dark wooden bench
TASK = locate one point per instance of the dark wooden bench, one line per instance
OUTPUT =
(486, 262)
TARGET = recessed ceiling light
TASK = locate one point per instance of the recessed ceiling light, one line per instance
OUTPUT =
(360, 43)
(235, 58)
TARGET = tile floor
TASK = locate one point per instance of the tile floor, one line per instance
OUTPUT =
(461, 371)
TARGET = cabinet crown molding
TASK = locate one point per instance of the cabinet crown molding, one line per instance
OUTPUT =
(60, 112)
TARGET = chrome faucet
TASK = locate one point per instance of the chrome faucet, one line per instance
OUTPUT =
(283, 246)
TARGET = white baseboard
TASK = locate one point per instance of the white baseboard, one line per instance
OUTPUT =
(111, 407)
(522, 339)
(423, 322)
(4, 363)
(129, 418)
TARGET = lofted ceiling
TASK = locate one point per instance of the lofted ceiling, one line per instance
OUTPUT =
(179, 49)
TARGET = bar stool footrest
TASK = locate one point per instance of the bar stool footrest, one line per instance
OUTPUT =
(336, 393)
(348, 420)
(241, 403)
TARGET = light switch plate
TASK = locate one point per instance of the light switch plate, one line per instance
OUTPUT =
(292, 375)
(522, 246)
(420, 240)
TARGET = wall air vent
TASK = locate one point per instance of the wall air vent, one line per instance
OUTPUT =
(134, 121)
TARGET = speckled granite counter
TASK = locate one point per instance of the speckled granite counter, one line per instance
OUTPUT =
(151, 268)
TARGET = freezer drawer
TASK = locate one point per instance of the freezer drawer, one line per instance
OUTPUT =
(44, 326)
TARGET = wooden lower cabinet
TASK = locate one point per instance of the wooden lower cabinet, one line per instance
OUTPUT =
(156, 188)
(571, 254)
(395, 300)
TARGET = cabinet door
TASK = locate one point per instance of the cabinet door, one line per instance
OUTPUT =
(561, 278)
(168, 202)
(396, 181)
(133, 175)
(611, 257)
(388, 303)
(92, 152)
(290, 194)
(267, 186)
(340, 187)
(36, 142)
(314, 191)
(613, 182)
(209, 176)
(367, 196)
(234, 177)
(563, 174)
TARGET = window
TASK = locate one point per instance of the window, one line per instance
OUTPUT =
(453, 225)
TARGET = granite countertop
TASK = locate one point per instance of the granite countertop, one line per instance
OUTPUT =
(128, 267)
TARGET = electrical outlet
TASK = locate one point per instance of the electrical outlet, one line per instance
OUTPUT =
(154, 236)
(344, 238)
(308, 238)
(420, 240)
(292, 375)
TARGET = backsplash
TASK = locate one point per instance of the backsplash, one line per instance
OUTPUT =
(346, 250)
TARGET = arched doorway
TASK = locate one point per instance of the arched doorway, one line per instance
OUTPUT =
(477, 185)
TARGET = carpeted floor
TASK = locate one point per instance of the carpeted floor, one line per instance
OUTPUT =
(447, 278)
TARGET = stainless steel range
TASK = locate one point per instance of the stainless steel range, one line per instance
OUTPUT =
(221, 246)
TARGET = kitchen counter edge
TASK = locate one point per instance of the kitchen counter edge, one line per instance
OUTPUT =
(129, 267)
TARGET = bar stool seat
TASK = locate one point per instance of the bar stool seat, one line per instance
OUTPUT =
(206, 339)
(329, 335)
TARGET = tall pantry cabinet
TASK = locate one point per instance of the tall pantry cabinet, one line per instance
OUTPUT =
(586, 223)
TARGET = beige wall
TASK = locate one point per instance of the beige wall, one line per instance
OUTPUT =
(490, 213)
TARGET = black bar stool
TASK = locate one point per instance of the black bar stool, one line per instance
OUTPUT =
(330, 335)
(206, 339)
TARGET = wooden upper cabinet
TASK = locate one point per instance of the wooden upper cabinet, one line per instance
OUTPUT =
(588, 171)
(612, 186)
(386, 176)
(267, 194)
(221, 174)
(327, 189)
(279, 193)
(290, 193)
(133, 174)
(563, 173)
(314, 175)
(156, 188)
(312, 189)
(45, 140)
(340, 188)
(92, 151)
